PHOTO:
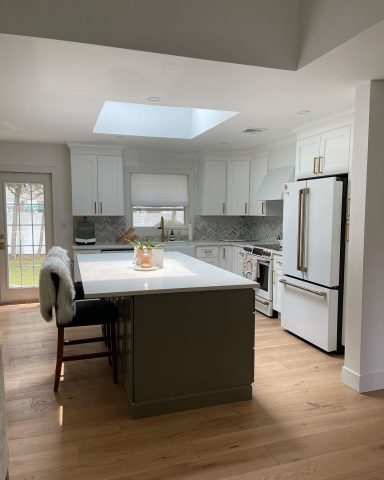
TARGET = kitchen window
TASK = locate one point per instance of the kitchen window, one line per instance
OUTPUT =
(159, 195)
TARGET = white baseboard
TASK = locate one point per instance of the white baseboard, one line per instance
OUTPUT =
(367, 382)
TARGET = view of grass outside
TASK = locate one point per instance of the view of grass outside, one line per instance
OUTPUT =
(25, 274)
(25, 219)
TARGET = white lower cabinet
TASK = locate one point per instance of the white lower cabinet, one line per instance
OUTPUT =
(237, 260)
(226, 257)
(208, 254)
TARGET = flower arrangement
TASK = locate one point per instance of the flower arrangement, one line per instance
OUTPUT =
(143, 252)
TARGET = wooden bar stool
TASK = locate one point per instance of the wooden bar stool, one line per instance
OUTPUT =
(57, 293)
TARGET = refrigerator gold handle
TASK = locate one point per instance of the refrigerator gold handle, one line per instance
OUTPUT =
(315, 292)
(299, 236)
(305, 192)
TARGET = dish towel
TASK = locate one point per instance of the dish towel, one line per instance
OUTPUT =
(251, 267)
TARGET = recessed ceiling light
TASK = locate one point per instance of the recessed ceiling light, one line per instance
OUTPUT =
(304, 112)
(154, 99)
(144, 120)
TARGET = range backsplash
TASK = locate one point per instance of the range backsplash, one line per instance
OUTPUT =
(261, 229)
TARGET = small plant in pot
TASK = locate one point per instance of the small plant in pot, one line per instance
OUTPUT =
(143, 252)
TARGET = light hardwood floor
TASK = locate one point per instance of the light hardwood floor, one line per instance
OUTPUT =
(301, 424)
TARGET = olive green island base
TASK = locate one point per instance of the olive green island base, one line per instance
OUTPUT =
(179, 351)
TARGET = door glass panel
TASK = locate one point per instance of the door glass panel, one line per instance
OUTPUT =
(26, 237)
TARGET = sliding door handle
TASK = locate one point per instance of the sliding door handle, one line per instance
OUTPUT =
(310, 290)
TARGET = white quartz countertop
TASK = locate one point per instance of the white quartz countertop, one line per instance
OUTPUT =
(114, 275)
(195, 243)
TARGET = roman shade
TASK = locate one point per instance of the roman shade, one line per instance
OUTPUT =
(159, 190)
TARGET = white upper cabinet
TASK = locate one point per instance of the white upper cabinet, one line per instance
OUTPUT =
(84, 184)
(237, 187)
(213, 187)
(326, 153)
(97, 181)
(307, 156)
(258, 170)
(110, 185)
(335, 151)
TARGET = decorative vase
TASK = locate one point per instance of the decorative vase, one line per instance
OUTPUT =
(144, 257)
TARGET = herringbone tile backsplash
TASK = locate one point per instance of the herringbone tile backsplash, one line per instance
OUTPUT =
(106, 228)
(261, 229)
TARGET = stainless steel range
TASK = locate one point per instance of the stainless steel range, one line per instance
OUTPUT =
(258, 266)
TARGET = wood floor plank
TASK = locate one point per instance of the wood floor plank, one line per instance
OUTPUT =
(302, 423)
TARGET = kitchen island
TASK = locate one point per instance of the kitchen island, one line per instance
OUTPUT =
(185, 333)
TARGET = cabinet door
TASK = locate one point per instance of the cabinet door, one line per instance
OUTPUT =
(226, 258)
(214, 175)
(237, 260)
(277, 289)
(307, 150)
(238, 187)
(258, 170)
(84, 185)
(110, 185)
(335, 151)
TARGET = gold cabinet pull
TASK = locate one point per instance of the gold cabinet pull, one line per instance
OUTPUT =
(223, 208)
(95, 207)
(315, 159)
(320, 168)
(101, 208)
(262, 208)
(246, 208)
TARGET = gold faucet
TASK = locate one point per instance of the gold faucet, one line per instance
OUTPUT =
(162, 237)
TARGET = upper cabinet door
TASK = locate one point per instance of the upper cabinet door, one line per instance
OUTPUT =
(214, 175)
(335, 151)
(307, 156)
(258, 170)
(237, 187)
(84, 185)
(110, 185)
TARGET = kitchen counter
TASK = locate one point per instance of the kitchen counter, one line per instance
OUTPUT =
(114, 274)
(185, 332)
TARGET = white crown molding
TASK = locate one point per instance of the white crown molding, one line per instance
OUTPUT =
(95, 149)
(336, 119)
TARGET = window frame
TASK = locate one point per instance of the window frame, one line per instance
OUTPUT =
(154, 231)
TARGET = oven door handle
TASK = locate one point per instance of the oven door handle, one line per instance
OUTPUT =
(260, 301)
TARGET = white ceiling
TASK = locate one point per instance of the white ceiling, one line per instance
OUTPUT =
(52, 91)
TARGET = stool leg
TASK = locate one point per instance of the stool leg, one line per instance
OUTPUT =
(59, 359)
(114, 351)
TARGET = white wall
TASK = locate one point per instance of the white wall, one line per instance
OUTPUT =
(326, 24)
(253, 32)
(364, 356)
(45, 158)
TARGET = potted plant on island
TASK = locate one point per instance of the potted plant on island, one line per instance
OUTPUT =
(144, 257)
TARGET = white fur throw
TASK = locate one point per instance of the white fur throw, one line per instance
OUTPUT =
(64, 303)
(61, 253)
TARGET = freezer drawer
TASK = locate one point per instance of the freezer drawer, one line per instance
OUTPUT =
(310, 312)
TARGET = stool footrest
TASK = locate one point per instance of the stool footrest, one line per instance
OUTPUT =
(86, 356)
(85, 340)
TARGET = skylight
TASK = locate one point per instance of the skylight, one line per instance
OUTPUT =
(143, 120)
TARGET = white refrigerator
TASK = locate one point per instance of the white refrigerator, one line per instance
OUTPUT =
(313, 259)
